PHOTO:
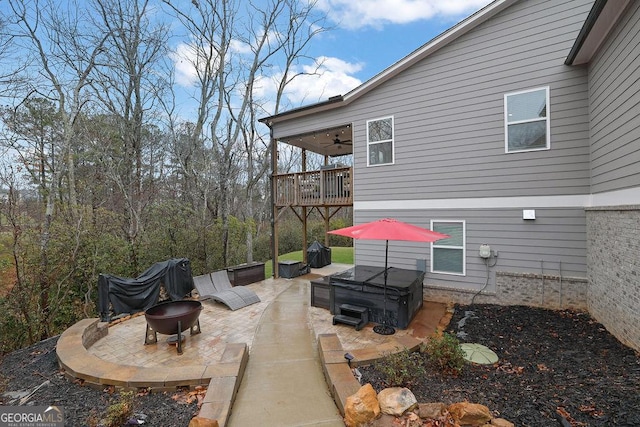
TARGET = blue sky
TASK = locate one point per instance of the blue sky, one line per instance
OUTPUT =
(367, 36)
(370, 36)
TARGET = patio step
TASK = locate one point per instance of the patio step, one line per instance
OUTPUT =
(352, 315)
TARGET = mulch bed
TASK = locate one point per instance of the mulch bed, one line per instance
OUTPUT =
(37, 366)
(556, 368)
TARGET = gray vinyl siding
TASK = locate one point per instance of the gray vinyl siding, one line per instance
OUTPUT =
(449, 119)
(554, 243)
(448, 112)
(614, 88)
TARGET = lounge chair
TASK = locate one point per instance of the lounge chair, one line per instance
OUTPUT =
(216, 286)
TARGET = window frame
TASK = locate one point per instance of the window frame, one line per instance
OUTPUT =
(547, 120)
(463, 247)
(392, 141)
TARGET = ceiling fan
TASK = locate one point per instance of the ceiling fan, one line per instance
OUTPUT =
(338, 141)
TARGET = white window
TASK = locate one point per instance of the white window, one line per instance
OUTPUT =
(448, 255)
(526, 120)
(380, 141)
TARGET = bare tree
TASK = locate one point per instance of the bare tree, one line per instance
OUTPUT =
(58, 53)
(232, 46)
(289, 35)
(129, 84)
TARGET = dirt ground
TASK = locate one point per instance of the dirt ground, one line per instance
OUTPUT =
(555, 368)
(35, 370)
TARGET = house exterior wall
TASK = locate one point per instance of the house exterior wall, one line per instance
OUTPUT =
(504, 230)
(582, 249)
(613, 231)
(614, 95)
(450, 160)
(449, 113)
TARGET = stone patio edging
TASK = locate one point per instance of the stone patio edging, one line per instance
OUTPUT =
(223, 378)
(338, 374)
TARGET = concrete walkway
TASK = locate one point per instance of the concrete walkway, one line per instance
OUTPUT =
(283, 384)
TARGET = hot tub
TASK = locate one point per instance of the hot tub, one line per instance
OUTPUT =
(363, 286)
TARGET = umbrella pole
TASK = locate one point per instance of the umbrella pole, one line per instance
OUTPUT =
(384, 329)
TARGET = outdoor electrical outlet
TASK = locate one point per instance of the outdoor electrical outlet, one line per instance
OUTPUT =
(495, 254)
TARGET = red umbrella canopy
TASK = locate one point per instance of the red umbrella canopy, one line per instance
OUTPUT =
(390, 229)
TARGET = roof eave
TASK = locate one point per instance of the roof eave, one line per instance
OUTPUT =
(303, 111)
(602, 17)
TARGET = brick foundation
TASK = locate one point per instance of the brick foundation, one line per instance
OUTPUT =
(613, 269)
(533, 290)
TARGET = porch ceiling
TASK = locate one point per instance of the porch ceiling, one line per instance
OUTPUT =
(335, 141)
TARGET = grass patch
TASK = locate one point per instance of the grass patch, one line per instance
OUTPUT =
(339, 255)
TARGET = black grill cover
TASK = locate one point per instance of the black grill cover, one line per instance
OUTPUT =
(318, 255)
(134, 295)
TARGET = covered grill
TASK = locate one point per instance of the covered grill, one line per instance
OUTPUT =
(318, 255)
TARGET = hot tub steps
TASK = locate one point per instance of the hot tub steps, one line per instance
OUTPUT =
(352, 315)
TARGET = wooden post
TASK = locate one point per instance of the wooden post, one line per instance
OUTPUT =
(304, 213)
(274, 215)
(326, 214)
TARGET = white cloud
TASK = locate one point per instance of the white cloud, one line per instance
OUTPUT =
(325, 78)
(354, 14)
(184, 57)
(332, 77)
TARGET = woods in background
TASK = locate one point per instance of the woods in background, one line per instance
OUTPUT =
(103, 167)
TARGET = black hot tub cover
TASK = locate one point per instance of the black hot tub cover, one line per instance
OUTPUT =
(133, 295)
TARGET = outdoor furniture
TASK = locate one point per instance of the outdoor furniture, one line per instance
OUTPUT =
(352, 315)
(394, 303)
(289, 269)
(318, 255)
(117, 295)
(216, 286)
(245, 274)
(320, 295)
(172, 317)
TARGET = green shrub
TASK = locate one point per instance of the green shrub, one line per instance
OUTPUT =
(445, 354)
(401, 368)
(120, 412)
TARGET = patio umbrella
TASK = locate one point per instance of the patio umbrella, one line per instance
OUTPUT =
(388, 229)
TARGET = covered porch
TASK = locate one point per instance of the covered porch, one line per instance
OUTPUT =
(326, 189)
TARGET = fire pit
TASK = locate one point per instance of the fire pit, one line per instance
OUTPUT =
(172, 317)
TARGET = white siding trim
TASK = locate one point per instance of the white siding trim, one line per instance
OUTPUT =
(629, 196)
(480, 203)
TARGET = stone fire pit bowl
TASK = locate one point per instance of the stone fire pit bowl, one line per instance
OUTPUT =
(171, 318)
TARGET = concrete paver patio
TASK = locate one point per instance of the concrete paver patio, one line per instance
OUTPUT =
(282, 335)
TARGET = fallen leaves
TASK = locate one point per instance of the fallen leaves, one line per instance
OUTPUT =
(188, 397)
(510, 369)
(591, 410)
(567, 418)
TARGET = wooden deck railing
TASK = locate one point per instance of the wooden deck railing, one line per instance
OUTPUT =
(328, 187)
